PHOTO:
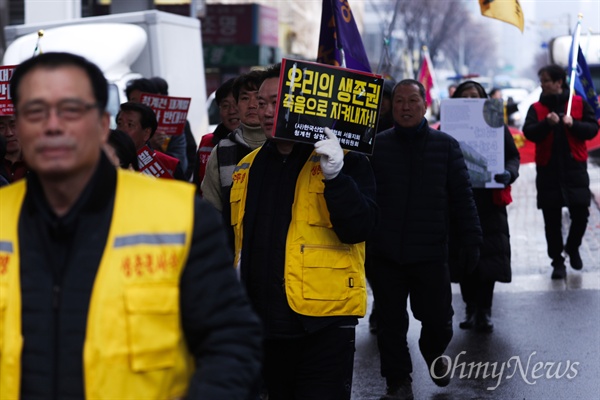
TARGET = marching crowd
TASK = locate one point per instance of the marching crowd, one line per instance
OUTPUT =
(249, 284)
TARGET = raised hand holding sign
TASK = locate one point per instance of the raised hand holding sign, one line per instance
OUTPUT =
(332, 155)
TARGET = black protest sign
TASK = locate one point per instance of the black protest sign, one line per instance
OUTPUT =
(314, 96)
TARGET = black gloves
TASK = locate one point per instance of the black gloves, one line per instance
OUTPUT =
(503, 178)
(468, 259)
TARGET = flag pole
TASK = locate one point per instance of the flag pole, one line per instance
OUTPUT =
(575, 47)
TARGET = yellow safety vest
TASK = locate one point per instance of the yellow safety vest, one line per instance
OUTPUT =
(134, 346)
(323, 276)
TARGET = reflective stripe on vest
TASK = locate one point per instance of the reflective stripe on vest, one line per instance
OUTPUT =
(134, 346)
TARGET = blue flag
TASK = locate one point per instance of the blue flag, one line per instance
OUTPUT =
(584, 86)
(340, 43)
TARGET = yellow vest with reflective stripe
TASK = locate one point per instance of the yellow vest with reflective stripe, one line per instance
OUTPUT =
(134, 346)
(323, 276)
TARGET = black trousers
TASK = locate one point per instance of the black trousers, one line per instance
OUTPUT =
(428, 285)
(317, 366)
(553, 227)
(477, 293)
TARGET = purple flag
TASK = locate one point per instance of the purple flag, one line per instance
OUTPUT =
(339, 40)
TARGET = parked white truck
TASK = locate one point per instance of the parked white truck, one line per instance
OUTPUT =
(560, 47)
(127, 46)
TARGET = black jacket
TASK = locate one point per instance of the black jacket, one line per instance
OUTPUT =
(495, 254)
(59, 260)
(564, 181)
(422, 181)
(268, 211)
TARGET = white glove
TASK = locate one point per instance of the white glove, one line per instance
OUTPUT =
(332, 155)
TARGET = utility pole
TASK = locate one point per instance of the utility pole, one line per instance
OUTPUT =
(385, 61)
(461, 51)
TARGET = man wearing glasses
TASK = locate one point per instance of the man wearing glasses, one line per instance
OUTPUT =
(97, 300)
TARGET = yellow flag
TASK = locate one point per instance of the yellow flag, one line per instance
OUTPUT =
(505, 10)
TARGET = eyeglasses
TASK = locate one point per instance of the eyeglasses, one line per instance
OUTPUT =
(67, 110)
(5, 126)
(227, 106)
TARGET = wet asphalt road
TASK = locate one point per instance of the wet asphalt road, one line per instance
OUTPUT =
(546, 342)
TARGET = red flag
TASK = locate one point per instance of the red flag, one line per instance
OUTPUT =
(426, 76)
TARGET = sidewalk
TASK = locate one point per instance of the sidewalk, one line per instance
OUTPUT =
(530, 262)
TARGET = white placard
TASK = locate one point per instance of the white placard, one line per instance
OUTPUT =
(478, 125)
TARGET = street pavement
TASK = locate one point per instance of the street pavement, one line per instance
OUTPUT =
(546, 342)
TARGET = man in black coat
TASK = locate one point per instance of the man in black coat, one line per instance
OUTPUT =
(561, 161)
(422, 181)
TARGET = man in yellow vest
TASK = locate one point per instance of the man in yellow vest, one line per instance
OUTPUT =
(301, 214)
(100, 296)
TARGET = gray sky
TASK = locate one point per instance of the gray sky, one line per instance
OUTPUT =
(544, 19)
